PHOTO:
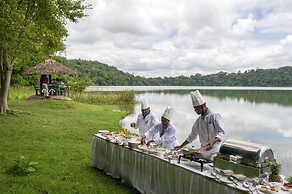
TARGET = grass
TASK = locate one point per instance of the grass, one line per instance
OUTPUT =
(124, 99)
(58, 136)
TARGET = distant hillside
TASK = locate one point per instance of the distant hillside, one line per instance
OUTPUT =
(103, 74)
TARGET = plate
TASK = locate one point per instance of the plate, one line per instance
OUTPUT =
(275, 186)
(151, 151)
(226, 172)
(142, 147)
(262, 188)
(286, 188)
(225, 180)
(160, 149)
(239, 177)
(266, 189)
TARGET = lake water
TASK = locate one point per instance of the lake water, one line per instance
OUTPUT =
(253, 114)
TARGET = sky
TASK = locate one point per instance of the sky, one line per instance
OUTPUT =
(154, 38)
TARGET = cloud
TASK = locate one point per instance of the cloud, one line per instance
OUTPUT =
(169, 38)
(243, 26)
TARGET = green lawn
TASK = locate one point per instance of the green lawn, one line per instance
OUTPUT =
(58, 136)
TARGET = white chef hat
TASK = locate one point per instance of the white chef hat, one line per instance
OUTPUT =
(144, 103)
(168, 113)
(197, 98)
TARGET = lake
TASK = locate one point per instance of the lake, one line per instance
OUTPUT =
(253, 114)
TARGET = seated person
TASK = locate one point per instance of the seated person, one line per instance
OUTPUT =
(60, 81)
(62, 86)
(55, 82)
(166, 131)
(54, 87)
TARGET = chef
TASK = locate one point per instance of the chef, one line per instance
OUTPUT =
(207, 127)
(146, 120)
(165, 130)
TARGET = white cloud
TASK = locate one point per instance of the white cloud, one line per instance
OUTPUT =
(168, 38)
(243, 26)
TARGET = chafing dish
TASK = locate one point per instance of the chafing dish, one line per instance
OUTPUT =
(247, 158)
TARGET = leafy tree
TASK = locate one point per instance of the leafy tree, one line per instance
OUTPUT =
(32, 29)
(79, 83)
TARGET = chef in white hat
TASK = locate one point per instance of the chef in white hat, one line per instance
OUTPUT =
(165, 129)
(146, 120)
(207, 127)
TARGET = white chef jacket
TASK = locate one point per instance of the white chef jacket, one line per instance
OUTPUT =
(166, 136)
(208, 127)
(144, 124)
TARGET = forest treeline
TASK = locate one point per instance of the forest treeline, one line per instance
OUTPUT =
(106, 75)
(103, 74)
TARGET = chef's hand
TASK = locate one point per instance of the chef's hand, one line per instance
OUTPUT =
(133, 125)
(143, 140)
(212, 143)
(148, 143)
(208, 146)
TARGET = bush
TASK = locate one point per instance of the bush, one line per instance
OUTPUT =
(22, 167)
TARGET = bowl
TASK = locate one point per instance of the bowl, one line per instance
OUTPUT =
(103, 132)
(134, 144)
(275, 186)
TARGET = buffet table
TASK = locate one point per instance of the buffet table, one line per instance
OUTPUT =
(155, 175)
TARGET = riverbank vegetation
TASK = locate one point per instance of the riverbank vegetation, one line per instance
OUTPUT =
(46, 145)
(103, 74)
(97, 73)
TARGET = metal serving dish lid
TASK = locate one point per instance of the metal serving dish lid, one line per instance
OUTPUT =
(248, 153)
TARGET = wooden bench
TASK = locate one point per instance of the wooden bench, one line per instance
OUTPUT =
(37, 89)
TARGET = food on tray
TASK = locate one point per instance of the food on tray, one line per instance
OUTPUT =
(226, 172)
(142, 147)
(262, 188)
(285, 188)
(109, 137)
(128, 136)
(287, 185)
(273, 187)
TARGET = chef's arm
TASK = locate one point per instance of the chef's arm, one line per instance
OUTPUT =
(182, 145)
(212, 143)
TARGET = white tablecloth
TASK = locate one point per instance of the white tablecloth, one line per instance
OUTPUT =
(154, 175)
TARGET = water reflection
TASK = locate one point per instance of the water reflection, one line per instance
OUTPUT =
(255, 116)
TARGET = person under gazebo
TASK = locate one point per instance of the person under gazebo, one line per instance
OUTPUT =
(44, 85)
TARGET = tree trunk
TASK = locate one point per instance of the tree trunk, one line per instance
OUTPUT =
(6, 71)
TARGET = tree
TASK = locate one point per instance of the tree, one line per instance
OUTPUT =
(29, 29)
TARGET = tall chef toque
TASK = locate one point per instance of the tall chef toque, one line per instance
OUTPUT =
(144, 103)
(168, 113)
(197, 98)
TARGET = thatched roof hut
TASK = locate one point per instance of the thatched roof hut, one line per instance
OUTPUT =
(50, 67)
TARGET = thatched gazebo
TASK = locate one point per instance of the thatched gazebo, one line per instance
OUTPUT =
(50, 67)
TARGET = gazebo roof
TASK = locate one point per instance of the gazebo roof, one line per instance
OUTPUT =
(49, 67)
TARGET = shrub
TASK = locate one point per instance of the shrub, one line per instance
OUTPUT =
(22, 167)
